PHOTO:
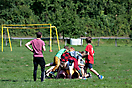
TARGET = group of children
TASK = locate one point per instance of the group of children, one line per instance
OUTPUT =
(68, 63)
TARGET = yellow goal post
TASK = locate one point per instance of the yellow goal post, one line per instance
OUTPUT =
(29, 26)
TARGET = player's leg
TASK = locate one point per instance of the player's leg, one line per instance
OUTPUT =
(85, 70)
(50, 69)
(35, 68)
(42, 65)
(92, 70)
(58, 72)
(76, 67)
(95, 72)
(86, 75)
(71, 70)
(82, 71)
(57, 63)
(49, 64)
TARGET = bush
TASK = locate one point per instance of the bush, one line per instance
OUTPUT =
(130, 36)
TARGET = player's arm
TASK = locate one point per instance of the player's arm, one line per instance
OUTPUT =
(86, 54)
(27, 45)
(44, 49)
(83, 61)
(80, 63)
(79, 54)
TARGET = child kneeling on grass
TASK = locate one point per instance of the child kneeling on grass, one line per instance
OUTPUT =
(57, 58)
(89, 60)
(75, 55)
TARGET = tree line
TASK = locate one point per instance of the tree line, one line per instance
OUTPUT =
(73, 18)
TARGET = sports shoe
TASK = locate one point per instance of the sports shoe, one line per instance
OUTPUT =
(90, 75)
(80, 77)
(84, 78)
(51, 74)
(100, 76)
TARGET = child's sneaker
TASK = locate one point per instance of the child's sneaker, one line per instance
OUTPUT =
(80, 77)
(51, 74)
(84, 78)
(90, 75)
(100, 76)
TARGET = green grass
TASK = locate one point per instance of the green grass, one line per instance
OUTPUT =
(114, 63)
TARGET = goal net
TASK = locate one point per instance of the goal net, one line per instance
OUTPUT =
(29, 26)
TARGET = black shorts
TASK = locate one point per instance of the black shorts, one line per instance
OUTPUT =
(88, 65)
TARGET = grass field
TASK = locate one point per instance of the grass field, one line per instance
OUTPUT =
(114, 63)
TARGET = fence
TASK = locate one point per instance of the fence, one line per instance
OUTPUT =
(65, 39)
(116, 38)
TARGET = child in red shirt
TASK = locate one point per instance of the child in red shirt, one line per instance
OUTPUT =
(89, 60)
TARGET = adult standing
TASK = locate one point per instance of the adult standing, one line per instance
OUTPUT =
(37, 46)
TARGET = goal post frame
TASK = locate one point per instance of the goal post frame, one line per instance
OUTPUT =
(25, 26)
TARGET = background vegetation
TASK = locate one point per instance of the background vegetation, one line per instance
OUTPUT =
(73, 18)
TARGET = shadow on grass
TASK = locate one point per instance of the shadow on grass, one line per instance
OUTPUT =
(15, 80)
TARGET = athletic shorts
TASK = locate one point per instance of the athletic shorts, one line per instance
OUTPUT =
(88, 65)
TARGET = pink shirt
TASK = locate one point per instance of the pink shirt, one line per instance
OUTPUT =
(37, 45)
